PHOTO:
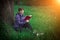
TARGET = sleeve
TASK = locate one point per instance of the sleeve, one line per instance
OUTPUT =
(17, 18)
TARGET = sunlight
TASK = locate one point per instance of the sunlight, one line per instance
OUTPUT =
(58, 2)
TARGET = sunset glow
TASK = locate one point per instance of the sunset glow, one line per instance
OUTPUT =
(57, 2)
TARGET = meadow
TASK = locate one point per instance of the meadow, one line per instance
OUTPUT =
(42, 21)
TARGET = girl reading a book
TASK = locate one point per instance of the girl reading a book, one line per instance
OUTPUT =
(21, 21)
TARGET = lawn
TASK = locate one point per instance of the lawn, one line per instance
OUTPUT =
(42, 17)
(42, 22)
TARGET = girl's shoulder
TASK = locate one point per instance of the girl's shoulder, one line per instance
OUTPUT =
(17, 15)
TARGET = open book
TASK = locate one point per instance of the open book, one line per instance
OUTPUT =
(28, 17)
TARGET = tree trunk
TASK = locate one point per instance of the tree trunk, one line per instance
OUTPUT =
(7, 11)
(18, 2)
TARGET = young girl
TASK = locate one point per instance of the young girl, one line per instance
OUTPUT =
(20, 23)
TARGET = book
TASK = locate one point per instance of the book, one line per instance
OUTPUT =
(28, 17)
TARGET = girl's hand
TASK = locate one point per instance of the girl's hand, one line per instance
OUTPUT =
(30, 15)
(27, 20)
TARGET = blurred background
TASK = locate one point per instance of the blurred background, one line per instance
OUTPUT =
(45, 19)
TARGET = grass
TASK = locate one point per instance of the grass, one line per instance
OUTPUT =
(42, 21)
(42, 18)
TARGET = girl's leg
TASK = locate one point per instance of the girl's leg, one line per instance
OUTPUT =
(21, 28)
(27, 25)
(16, 29)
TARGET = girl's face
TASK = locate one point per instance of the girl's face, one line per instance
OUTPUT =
(21, 12)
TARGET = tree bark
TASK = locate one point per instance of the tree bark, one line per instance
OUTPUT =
(18, 2)
(7, 11)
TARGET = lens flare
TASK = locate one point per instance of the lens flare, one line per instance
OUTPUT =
(57, 2)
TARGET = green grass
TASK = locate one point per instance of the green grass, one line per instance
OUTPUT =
(42, 18)
(42, 21)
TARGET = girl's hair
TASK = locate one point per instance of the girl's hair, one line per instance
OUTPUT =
(20, 9)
